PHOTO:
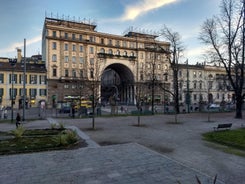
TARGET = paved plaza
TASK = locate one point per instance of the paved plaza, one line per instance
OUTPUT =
(156, 152)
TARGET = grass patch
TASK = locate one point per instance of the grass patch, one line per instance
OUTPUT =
(39, 140)
(233, 139)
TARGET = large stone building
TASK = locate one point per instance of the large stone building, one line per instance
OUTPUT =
(134, 66)
(75, 52)
(12, 80)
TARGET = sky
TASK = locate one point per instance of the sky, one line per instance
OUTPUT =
(23, 19)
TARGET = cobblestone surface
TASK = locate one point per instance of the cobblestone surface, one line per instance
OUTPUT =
(181, 153)
(125, 163)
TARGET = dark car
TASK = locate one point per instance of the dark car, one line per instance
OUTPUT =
(65, 109)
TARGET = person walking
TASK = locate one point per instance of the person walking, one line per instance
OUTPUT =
(18, 119)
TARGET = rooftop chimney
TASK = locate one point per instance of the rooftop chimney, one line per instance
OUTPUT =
(19, 57)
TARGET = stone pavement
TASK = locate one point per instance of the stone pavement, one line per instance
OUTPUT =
(132, 162)
(125, 164)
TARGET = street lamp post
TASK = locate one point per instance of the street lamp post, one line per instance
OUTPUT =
(188, 88)
(12, 62)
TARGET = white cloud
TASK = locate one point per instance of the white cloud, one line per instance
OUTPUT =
(12, 47)
(142, 7)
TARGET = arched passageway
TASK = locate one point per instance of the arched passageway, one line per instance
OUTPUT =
(117, 81)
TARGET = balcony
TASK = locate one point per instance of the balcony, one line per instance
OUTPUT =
(107, 55)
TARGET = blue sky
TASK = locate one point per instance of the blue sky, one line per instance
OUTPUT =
(21, 19)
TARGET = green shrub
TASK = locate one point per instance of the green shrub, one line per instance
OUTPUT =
(53, 126)
(66, 137)
(18, 132)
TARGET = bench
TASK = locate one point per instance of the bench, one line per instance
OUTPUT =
(223, 126)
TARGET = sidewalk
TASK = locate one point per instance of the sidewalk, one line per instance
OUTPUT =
(183, 154)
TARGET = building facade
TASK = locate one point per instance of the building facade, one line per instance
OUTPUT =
(74, 52)
(12, 82)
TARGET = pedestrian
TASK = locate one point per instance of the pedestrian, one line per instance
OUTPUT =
(5, 114)
(18, 119)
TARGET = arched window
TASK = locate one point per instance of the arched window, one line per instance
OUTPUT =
(132, 54)
(102, 50)
(125, 53)
(110, 51)
(118, 52)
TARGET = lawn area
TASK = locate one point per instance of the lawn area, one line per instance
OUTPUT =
(233, 139)
(24, 141)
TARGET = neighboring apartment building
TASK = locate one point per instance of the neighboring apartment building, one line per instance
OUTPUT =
(207, 84)
(74, 51)
(11, 81)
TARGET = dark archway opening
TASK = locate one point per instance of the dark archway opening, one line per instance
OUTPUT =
(117, 82)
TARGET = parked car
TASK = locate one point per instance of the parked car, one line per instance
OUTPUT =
(65, 109)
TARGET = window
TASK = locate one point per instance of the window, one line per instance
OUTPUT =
(73, 36)
(21, 92)
(1, 78)
(125, 53)
(42, 92)
(118, 43)
(73, 47)
(81, 60)
(91, 39)
(54, 45)
(102, 50)
(118, 52)
(124, 44)
(194, 85)
(109, 42)
(74, 59)
(200, 74)
(54, 34)
(91, 74)
(132, 54)
(66, 73)
(91, 60)
(66, 46)
(33, 79)
(195, 97)
(81, 73)
(110, 51)
(74, 74)
(54, 72)
(66, 86)
(54, 57)
(21, 79)
(14, 79)
(200, 85)
(141, 76)
(217, 95)
(80, 37)
(91, 50)
(180, 73)
(148, 65)
(1, 91)
(81, 48)
(66, 35)
(33, 92)
(14, 92)
(141, 55)
(66, 59)
(42, 79)
(194, 74)
(102, 41)
(158, 66)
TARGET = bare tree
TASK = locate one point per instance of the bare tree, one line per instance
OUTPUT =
(176, 50)
(225, 35)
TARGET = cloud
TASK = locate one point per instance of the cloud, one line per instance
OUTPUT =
(142, 7)
(15, 45)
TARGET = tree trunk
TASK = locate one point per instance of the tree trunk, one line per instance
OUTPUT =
(239, 103)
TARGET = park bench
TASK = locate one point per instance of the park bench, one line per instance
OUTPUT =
(223, 126)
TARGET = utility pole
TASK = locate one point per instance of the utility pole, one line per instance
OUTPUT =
(24, 82)
(188, 88)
